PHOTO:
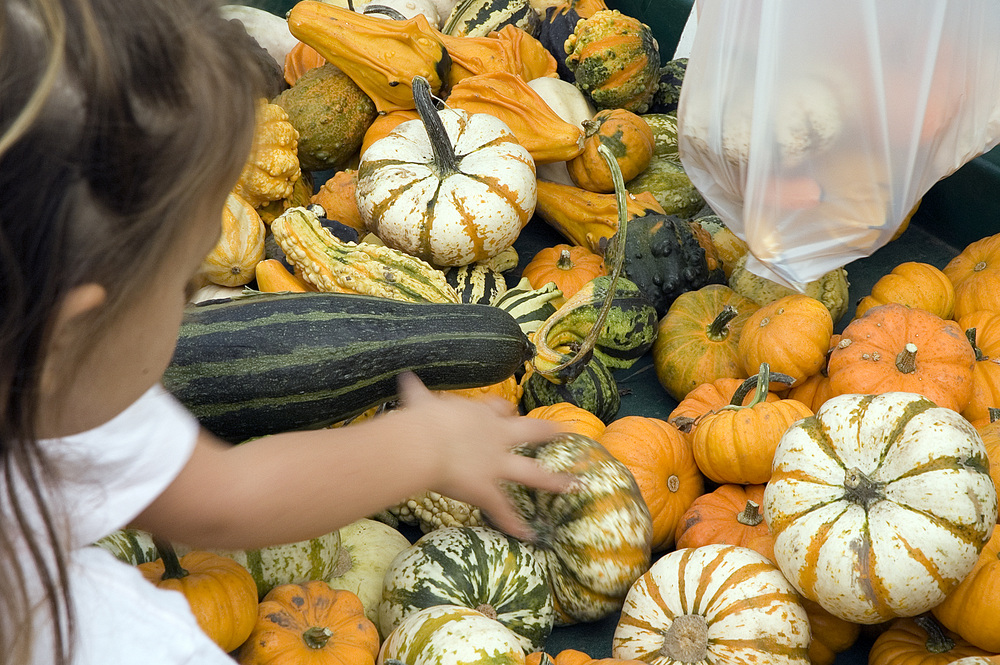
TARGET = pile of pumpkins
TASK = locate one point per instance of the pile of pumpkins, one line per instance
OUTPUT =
(807, 484)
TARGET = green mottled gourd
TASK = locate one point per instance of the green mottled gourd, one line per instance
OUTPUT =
(335, 266)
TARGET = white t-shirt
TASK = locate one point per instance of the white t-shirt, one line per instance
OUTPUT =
(108, 476)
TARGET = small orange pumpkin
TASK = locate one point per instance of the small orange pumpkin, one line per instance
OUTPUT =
(816, 389)
(573, 657)
(310, 623)
(240, 248)
(736, 444)
(697, 339)
(975, 259)
(661, 461)
(920, 641)
(383, 124)
(708, 398)
(222, 594)
(830, 634)
(569, 266)
(630, 139)
(982, 329)
(990, 434)
(336, 196)
(970, 610)
(729, 515)
(791, 334)
(571, 417)
(897, 348)
(508, 390)
(912, 284)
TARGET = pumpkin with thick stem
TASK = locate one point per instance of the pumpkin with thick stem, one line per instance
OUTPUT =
(708, 398)
(728, 515)
(451, 188)
(736, 444)
(628, 136)
(897, 348)
(310, 622)
(923, 640)
(356, 44)
(221, 593)
(570, 267)
(888, 528)
(716, 603)
(660, 459)
(792, 335)
(697, 340)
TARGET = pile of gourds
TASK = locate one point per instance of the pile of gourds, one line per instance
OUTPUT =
(808, 484)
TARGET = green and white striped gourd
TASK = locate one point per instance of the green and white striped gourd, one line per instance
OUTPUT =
(130, 545)
(451, 635)
(476, 567)
(293, 563)
(530, 307)
(477, 283)
(478, 18)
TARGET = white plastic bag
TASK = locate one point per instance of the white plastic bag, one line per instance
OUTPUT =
(813, 127)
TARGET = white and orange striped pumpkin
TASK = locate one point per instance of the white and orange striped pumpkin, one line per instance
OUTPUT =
(450, 188)
(451, 635)
(233, 260)
(879, 505)
(713, 604)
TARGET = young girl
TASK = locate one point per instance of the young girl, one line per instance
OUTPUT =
(123, 125)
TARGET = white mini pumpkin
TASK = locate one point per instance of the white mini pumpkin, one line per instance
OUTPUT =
(450, 188)
(451, 635)
(879, 505)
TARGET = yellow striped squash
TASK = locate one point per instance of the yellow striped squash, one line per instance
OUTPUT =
(879, 505)
(713, 604)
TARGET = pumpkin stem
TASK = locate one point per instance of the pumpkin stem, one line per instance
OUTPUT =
(718, 329)
(565, 261)
(970, 335)
(906, 361)
(861, 489)
(316, 637)
(937, 641)
(673, 483)
(994, 413)
(172, 568)
(760, 383)
(751, 514)
(445, 161)
(686, 640)
(488, 610)
(391, 12)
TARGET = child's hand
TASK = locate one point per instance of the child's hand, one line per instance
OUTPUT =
(472, 442)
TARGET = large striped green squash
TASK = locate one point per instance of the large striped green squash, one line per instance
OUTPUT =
(451, 635)
(712, 604)
(276, 362)
(879, 505)
(476, 567)
(594, 541)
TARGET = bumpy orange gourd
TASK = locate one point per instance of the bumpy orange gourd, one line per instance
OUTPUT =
(240, 248)
(273, 168)
(630, 139)
(737, 443)
(571, 417)
(510, 50)
(791, 334)
(912, 284)
(310, 623)
(920, 640)
(697, 340)
(971, 610)
(569, 266)
(660, 458)
(896, 348)
(730, 515)
(222, 593)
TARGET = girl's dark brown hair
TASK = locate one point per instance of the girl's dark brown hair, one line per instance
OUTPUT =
(118, 120)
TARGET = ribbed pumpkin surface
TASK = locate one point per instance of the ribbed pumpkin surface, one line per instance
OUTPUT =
(451, 635)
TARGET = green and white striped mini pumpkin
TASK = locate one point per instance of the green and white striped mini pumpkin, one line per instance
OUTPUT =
(476, 567)
(879, 505)
(529, 307)
(713, 604)
(130, 545)
(451, 635)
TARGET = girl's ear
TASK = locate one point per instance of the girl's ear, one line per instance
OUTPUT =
(79, 301)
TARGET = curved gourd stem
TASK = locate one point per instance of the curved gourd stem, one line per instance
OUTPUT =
(172, 568)
(445, 160)
(614, 257)
(760, 383)
(392, 13)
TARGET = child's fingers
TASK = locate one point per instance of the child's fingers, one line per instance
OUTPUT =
(526, 471)
(411, 388)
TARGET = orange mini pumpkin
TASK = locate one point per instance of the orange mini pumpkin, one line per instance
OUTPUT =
(310, 623)
(336, 196)
(572, 418)
(974, 267)
(897, 348)
(970, 610)
(569, 266)
(990, 433)
(708, 398)
(660, 459)
(630, 139)
(920, 640)
(982, 329)
(729, 515)
(791, 334)
(816, 389)
(573, 657)
(736, 444)
(912, 284)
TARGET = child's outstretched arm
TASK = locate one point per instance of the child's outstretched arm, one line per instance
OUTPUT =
(300, 485)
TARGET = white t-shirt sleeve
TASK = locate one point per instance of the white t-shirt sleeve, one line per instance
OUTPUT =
(111, 473)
